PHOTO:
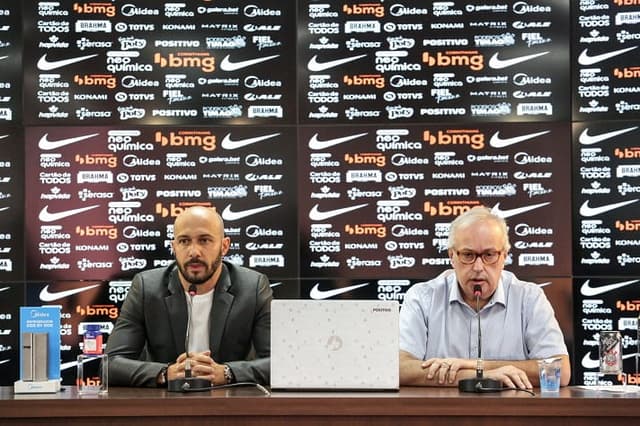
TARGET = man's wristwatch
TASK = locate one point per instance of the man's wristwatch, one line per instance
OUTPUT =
(228, 374)
(162, 376)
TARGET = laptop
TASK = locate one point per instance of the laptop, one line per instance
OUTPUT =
(334, 345)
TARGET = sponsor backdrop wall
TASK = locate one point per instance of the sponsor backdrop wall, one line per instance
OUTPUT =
(337, 139)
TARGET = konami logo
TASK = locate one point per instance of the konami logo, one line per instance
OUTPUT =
(472, 137)
(455, 58)
(201, 138)
(202, 60)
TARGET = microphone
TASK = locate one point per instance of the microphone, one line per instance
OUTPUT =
(479, 384)
(188, 383)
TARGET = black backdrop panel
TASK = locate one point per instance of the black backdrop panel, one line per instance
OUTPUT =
(606, 195)
(379, 200)
(144, 61)
(417, 61)
(10, 62)
(11, 204)
(103, 200)
(606, 60)
(602, 304)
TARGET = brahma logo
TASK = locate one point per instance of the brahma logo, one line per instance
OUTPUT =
(470, 137)
(455, 58)
(201, 138)
(202, 60)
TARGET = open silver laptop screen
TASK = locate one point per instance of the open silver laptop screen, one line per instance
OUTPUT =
(334, 344)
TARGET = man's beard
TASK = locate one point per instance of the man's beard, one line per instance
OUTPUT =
(206, 274)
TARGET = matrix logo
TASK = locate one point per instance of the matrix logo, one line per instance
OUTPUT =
(471, 59)
(470, 137)
(200, 138)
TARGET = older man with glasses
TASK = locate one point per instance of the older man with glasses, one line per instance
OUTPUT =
(439, 318)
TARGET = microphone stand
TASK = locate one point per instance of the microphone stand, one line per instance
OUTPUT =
(188, 383)
(479, 384)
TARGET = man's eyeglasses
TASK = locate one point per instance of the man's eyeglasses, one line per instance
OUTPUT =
(469, 257)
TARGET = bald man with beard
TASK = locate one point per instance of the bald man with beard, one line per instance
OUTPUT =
(229, 332)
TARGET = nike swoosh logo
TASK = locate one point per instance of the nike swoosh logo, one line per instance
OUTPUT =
(227, 65)
(50, 296)
(272, 285)
(587, 211)
(315, 214)
(4, 361)
(585, 59)
(498, 64)
(4, 288)
(228, 143)
(47, 145)
(588, 290)
(498, 142)
(512, 212)
(545, 284)
(46, 216)
(586, 139)
(316, 66)
(589, 363)
(318, 294)
(46, 65)
(4, 136)
(4, 208)
(227, 214)
(314, 143)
